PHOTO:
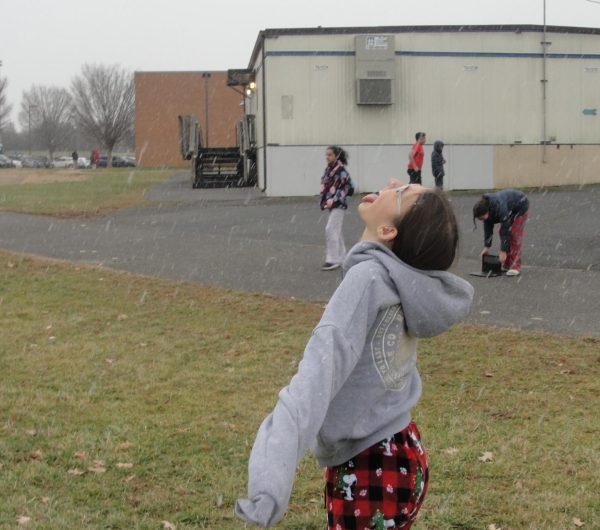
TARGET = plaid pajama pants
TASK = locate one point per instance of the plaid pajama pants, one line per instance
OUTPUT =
(513, 257)
(381, 488)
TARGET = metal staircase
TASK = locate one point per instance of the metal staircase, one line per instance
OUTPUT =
(217, 167)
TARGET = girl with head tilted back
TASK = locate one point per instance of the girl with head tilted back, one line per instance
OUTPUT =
(350, 402)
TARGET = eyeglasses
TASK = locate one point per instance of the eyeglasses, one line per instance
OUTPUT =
(399, 192)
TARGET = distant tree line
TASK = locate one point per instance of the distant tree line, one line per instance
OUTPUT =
(96, 111)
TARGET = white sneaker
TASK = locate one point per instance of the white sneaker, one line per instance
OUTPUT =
(330, 266)
(513, 272)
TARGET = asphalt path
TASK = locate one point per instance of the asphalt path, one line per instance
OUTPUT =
(241, 240)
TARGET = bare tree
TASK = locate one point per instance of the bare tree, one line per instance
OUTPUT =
(50, 111)
(104, 103)
(5, 108)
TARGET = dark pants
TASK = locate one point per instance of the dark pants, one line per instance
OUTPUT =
(439, 181)
(415, 176)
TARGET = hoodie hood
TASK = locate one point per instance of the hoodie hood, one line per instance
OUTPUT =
(432, 301)
(438, 146)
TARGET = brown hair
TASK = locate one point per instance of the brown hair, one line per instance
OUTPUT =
(482, 206)
(340, 154)
(428, 233)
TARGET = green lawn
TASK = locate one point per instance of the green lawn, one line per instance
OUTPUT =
(102, 190)
(127, 401)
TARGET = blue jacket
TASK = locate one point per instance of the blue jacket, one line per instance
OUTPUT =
(437, 160)
(505, 205)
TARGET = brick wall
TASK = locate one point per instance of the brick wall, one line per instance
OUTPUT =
(162, 96)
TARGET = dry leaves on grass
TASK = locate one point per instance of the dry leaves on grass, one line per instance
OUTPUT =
(123, 446)
(451, 451)
(76, 472)
(493, 527)
(98, 467)
(168, 526)
(488, 374)
(578, 522)
(122, 316)
(23, 520)
(45, 500)
(31, 432)
(486, 456)
(36, 455)
(80, 455)
(124, 465)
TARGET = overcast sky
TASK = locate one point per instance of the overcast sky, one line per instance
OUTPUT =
(47, 42)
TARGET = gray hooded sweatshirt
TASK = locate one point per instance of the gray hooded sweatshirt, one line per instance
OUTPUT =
(358, 380)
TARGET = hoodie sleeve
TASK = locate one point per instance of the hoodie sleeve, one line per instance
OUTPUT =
(505, 220)
(488, 232)
(286, 434)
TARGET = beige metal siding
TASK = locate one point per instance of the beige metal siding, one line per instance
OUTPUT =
(464, 100)
(522, 166)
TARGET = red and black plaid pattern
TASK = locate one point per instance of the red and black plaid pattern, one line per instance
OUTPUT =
(381, 488)
(513, 258)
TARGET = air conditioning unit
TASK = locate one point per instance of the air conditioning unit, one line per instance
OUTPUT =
(375, 65)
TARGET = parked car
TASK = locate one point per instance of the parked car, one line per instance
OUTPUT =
(123, 161)
(6, 162)
(43, 160)
(83, 163)
(62, 161)
(117, 161)
(16, 162)
(32, 161)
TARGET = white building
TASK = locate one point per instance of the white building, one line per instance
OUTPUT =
(511, 110)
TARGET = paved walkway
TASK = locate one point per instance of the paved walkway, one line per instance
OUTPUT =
(241, 240)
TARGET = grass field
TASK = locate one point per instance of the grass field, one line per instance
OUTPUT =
(127, 401)
(95, 192)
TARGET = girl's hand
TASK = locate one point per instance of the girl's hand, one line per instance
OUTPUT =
(329, 203)
(485, 251)
(502, 257)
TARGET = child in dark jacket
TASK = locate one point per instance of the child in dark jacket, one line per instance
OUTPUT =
(437, 164)
(350, 401)
(508, 208)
